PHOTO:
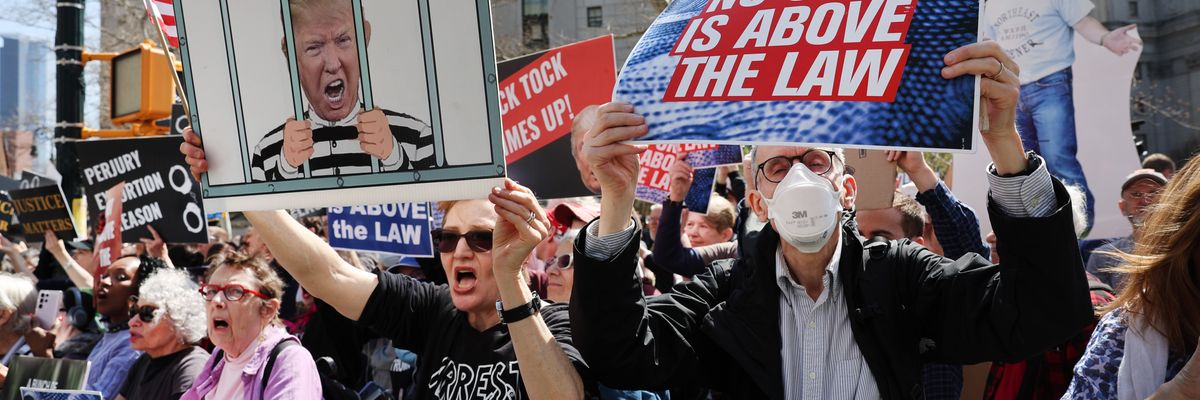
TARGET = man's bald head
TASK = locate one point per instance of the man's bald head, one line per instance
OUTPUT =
(579, 127)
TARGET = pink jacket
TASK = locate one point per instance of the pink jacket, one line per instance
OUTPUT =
(294, 374)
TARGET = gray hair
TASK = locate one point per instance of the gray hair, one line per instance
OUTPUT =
(17, 294)
(175, 294)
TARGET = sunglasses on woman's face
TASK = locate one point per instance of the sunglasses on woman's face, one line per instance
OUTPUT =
(561, 262)
(477, 241)
(146, 313)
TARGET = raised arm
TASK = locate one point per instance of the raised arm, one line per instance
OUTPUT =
(79, 275)
(314, 263)
(669, 252)
(954, 223)
(1016, 310)
(545, 369)
(302, 253)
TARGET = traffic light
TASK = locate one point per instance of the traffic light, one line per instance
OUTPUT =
(142, 87)
(142, 90)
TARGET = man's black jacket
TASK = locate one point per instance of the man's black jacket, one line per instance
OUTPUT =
(908, 306)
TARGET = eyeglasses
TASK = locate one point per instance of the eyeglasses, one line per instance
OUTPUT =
(233, 292)
(819, 161)
(1138, 195)
(147, 313)
(564, 261)
(446, 241)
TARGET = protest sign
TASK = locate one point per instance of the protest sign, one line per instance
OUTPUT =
(654, 180)
(43, 209)
(838, 72)
(108, 232)
(875, 176)
(398, 228)
(7, 212)
(43, 373)
(697, 197)
(32, 180)
(540, 95)
(159, 190)
(7, 183)
(417, 78)
(48, 394)
(1102, 82)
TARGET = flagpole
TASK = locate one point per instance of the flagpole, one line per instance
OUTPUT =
(162, 38)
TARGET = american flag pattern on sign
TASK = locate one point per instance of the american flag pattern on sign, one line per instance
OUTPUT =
(167, 10)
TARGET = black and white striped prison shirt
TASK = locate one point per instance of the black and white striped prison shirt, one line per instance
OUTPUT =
(336, 150)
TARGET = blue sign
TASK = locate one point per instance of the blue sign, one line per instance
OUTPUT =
(396, 228)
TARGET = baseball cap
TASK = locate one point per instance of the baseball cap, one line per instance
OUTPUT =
(566, 212)
(1144, 173)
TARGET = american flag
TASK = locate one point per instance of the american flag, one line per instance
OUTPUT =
(167, 10)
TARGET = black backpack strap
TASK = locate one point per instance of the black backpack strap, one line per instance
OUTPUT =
(279, 348)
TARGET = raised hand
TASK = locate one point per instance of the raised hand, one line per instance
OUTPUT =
(681, 177)
(522, 226)
(913, 164)
(155, 246)
(999, 92)
(614, 163)
(193, 153)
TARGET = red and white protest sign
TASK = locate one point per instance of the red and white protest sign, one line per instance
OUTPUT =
(539, 100)
(770, 50)
(108, 237)
(657, 160)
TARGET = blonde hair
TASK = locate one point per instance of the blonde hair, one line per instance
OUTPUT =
(721, 214)
(1163, 281)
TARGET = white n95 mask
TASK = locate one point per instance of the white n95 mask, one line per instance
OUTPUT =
(806, 209)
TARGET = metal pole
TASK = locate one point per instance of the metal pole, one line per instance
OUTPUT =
(68, 50)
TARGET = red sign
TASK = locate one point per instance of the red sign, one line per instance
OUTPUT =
(108, 237)
(846, 50)
(656, 163)
(539, 101)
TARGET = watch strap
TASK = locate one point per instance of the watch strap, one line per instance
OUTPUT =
(520, 312)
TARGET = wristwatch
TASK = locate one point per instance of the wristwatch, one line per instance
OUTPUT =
(519, 313)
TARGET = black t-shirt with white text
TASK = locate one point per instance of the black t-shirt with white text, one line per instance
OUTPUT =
(455, 361)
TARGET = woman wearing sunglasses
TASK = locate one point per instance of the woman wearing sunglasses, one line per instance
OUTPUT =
(467, 349)
(254, 357)
(562, 276)
(166, 321)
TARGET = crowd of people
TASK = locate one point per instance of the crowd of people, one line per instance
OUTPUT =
(782, 288)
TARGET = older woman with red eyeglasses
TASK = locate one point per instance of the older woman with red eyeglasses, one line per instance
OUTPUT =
(254, 358)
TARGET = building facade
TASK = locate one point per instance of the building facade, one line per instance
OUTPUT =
(1166, 92)
(25, 101)
(525, 26)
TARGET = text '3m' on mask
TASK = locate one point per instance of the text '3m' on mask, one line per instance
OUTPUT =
(806, 209)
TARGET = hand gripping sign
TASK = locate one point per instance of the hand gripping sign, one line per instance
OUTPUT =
(865, 73)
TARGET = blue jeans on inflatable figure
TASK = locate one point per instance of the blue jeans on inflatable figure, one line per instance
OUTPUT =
(1046, 122)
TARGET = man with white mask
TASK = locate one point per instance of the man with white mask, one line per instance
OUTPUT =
(809, 311)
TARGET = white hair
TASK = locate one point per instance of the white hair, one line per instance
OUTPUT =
(18, 295)
(1078, 208)
(174, 292)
